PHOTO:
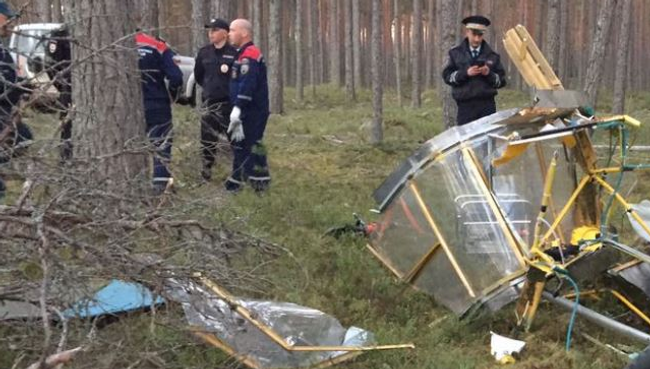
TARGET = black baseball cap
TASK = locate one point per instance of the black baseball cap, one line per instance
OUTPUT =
(218, 23)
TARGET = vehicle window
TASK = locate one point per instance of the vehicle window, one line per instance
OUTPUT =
(27, 42)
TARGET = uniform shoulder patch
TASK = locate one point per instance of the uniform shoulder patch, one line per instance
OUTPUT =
(251, 52)
(142, 39)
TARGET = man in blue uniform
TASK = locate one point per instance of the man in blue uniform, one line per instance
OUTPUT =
(58, 55)
(249, 94)
(474, 72)
(157, 65)
(212, 72)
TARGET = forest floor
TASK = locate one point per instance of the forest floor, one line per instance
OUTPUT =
(324, 170)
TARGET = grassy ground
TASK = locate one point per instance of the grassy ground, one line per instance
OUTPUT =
(324, 170)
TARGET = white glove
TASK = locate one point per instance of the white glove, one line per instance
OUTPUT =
(235, 128)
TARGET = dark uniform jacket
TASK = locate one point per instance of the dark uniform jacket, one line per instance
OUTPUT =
(157, 64)
(57, 57)
(212, 71)
(9, 95)
(465, 87)
(249, 88)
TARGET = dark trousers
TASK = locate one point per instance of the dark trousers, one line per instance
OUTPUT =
(214, 122)
(63, 105)
(250, 162)
(159, 132)
(471, 110)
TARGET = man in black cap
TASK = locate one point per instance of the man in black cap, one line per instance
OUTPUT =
(212, 70)
(474, 72)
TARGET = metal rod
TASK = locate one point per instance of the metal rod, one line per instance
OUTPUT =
(599, 319)
(628, 250)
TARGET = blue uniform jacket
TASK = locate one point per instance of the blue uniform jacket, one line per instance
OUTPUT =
(8, 93)
(249, 88)
(157, 64)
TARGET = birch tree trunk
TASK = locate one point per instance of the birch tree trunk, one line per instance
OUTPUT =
(377, 131)
(618, 106)
(276, 89)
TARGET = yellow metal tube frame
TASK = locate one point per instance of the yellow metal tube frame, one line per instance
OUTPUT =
(625, 204)
(619, 297)
(548, 186)
(246, 314)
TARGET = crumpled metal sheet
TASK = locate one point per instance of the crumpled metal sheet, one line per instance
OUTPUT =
(297, 325)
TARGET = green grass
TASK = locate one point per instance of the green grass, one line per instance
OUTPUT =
(324, 170)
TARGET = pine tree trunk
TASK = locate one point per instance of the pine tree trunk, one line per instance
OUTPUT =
(596, 58)
(335, 45)
(106, 91)
(276, 89)
(448, 29)
(618, 106)
(147, 16)
(311, 43)
(43, 10)
(57, 15)
(222, 9)
(300, 89)
(397, 54)
(430, 45)
(563, 54)
(551, 46)
(356, 44)
(416, 47)
(257, 23)
(349, 52)
(377, 132)
(198, 23)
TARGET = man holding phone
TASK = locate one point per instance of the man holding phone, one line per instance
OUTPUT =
(474, 72)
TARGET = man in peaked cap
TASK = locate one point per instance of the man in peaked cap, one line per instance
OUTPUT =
(474, 72)
(212, 71)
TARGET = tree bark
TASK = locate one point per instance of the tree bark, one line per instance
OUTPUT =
(43, 10)
(57, 15)
(618, 106)
(397, 51)
(106, 90)
(431, 48)
(376, 132)
(448, 29)
(147, 16)
(198, 24)
(335, 47)
(563, 54)
(311, 43)
(349, 52)
(356, 44)
(416, 57)
(300, 89)
(222, 9)
(257, 23)
(596, 58)
(276, 89)
(552, 44)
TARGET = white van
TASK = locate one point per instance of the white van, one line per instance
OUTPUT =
(28, 43)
